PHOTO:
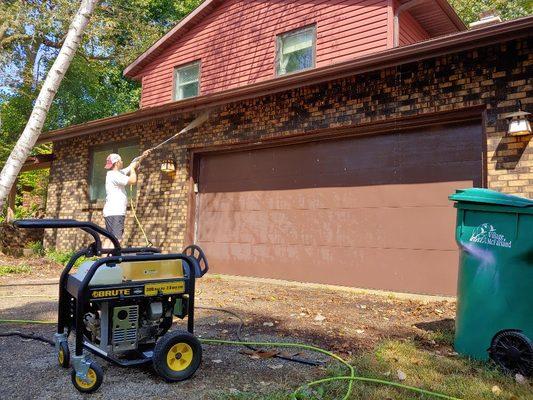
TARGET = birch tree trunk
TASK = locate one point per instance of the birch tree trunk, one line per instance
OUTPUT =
(33, 128)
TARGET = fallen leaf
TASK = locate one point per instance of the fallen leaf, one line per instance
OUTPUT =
(401, 375)
(259, 354)
(319, 318)
(496, 390)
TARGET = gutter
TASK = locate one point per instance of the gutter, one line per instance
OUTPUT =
(461, 41)
(446, 8)
(397, 12)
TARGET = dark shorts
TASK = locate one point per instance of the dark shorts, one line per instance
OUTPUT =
(115, 225)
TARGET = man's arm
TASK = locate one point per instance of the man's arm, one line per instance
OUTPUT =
(137, 161)
(132, 179)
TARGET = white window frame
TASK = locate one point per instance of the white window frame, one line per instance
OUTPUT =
(279, 48)
(176, 89)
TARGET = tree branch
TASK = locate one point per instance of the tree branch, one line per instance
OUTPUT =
(20, 37)
(90, 57)
(51, 43)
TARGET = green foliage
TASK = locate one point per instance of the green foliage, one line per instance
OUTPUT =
(470, 10)
(13, 269)
(37, 248)
(62, 257)
(57, 256)
(31, 34)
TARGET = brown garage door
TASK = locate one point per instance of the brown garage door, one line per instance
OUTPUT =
(367, 212)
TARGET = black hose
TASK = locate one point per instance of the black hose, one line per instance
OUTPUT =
(29, 284)
(30, 336)
(314, 363)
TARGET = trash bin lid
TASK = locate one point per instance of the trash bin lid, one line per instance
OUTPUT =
(486, 196)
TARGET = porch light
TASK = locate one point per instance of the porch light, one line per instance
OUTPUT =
(168, 166)
(518, 122)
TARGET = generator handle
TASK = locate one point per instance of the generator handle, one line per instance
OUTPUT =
(88, 227)
(198, 255)
(141, 250)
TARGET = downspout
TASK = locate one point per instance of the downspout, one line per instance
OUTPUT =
(397, 12)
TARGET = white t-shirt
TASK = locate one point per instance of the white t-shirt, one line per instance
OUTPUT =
(116, 200)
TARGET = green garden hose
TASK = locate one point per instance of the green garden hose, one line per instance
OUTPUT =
(350, 378)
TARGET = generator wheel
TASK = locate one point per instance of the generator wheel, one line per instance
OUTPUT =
(512, 351)
(95, 377)
(63, 355)
(177, 356)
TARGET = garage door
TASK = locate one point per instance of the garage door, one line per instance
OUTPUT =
(368, 212)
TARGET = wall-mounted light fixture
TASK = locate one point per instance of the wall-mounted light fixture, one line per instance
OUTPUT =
(518, 122)
(168, 165)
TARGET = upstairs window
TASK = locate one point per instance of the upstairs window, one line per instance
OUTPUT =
(187, 81)
(296, 51)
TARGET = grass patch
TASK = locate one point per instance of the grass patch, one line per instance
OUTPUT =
(62, 257)
(453, 376)
(59, 257)
(37, 247)
(277, 395)
(449, 375)
(442, 337)
(13, 269)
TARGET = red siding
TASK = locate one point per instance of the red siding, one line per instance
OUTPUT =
(236, 43)
(410, 30)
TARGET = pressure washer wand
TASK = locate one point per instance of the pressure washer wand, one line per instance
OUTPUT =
(202, 118)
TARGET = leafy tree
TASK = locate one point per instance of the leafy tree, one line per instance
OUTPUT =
(31, 33)
(470, 10)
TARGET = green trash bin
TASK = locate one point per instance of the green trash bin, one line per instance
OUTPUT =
(495, 289)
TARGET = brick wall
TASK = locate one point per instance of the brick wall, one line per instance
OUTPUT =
(494, 76)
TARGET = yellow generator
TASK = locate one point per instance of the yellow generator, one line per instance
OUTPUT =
(121, 307)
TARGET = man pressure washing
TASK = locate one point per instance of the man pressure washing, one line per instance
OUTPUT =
(118, 178)
(116, 200)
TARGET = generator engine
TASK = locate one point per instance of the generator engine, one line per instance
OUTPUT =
(132, 317)
(123, 326)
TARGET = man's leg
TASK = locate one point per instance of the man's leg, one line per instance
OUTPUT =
(115, 225)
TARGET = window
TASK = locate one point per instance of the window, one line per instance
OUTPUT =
(128, 151)
(187, 81)
(296, 51)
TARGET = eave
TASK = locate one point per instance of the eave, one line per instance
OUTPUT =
(461, 41)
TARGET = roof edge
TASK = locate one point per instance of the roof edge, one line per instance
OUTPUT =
(436, 47)
(452, 14)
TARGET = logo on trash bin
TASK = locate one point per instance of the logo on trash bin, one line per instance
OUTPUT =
(487, 234)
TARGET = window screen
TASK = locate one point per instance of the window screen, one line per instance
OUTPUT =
(127, 151)
(187, 81)
(296, 51)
